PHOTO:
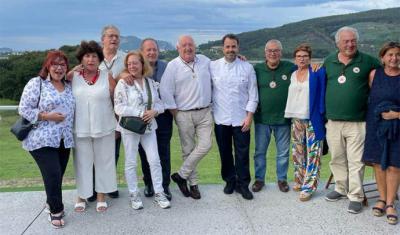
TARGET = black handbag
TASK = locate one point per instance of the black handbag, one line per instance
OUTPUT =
(22, 126)
(136, 124)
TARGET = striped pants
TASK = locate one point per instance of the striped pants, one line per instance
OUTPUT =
(306, 153)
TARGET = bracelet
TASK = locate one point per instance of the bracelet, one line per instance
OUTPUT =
(41, 116)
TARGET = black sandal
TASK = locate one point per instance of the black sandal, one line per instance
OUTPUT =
(391, 219)
(56, 218)
(377, 211)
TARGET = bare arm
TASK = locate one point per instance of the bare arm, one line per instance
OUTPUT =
(371, 77)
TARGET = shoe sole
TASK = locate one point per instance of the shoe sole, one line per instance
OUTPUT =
(334, 200)
(162, 207)
(353, 211)
(305, 199)
(139, 208)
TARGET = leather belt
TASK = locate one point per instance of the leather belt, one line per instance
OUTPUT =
(195, 109)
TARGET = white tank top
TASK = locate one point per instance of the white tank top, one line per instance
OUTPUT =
(297, 104)
(94, 113)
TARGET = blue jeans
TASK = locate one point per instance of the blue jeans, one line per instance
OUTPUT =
(282, 140)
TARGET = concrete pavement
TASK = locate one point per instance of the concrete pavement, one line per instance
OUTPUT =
(271, 212)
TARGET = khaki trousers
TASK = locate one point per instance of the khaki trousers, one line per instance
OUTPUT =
(195, 133)
(346, 144)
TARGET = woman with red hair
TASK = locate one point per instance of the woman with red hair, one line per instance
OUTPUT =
(47, 102)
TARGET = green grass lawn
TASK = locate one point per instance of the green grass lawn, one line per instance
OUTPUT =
(19, 171)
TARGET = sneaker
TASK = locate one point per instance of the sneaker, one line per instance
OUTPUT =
(354, 207)
(334, 196)
(162, 200)
(136, 202)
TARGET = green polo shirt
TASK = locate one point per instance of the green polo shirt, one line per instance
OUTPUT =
(347, 101)
(272, 101)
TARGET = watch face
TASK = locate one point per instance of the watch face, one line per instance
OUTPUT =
(272, 84)
(341, 79)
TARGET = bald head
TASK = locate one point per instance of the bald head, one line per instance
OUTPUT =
(186, 48)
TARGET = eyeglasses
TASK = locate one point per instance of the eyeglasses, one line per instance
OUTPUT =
(58, 65)
(112, 36)
(302, 56)
(270, 51)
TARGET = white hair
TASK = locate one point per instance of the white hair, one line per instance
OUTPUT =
(277, 42)
(343, 29)
(184, 36)
(107, 27)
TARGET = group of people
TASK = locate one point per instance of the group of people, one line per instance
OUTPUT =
(81, 109)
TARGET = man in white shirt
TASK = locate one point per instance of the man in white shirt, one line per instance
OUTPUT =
(186, 91)
(113, 63)
(113, 57)
(235, 98)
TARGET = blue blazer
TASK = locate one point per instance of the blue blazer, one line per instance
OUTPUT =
(317, 86)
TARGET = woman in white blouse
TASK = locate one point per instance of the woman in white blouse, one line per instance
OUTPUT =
(94, 127)
(306, 107)
(132, 100)
(47, 100)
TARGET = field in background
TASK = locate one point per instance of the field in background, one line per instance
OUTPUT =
(18, 171)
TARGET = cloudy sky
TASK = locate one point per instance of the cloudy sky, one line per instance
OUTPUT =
(44, 24)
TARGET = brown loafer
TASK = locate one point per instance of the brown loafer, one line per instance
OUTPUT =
(182, 184)
(283, 186)
(194, 192)
(257, 186)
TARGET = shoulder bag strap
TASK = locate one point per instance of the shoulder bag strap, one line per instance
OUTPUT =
(40, 91)
(149, 96)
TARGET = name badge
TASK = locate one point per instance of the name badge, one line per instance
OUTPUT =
(356, 69)
(341, 79)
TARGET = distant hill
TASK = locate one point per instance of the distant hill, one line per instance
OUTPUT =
(5, 50)
(375, 27)
(129, 43)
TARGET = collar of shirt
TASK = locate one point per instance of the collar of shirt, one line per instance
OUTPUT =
(118, 54)
(195, 60)
(230, 64)
(355, 59)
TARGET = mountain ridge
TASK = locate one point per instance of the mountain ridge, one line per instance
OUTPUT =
(375, 27)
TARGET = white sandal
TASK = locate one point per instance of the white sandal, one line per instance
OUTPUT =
(101, 206)
(80, 207)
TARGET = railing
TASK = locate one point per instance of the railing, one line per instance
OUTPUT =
(8, 107)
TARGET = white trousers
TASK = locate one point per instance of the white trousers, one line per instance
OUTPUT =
(149, 144)
(99, 152)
